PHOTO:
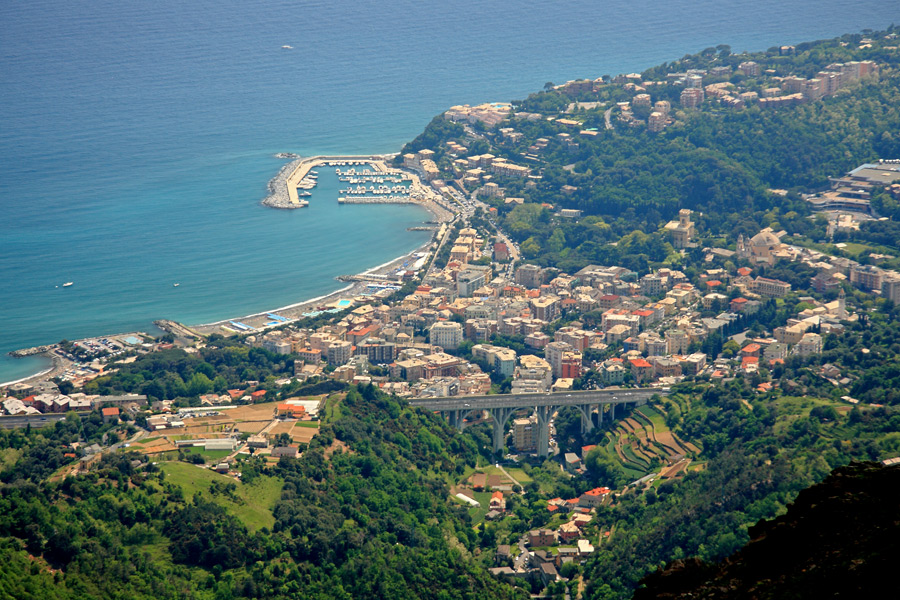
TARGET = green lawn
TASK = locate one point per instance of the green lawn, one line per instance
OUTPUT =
(520, 476)
(211, 456)
(801, 405)
(255, 500)
(491, 470)
(477, 512)
(332, 407)
(310, 424)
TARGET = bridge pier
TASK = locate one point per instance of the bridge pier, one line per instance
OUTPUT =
(543, 422)
(587, 421)
(499, 416)
(456, 418)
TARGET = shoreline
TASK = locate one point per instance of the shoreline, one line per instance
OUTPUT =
(427, 198)
(294, 312)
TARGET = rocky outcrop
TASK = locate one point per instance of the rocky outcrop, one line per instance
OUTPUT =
(839, 539)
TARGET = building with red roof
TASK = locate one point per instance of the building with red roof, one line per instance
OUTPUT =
(751, 350)
(609, 301)
(738, 304)
(641, 369)
(593, 498)
(290, 410)
(110, 415)
(748, 361)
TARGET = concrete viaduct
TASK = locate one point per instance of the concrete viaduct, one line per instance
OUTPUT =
(502, 406)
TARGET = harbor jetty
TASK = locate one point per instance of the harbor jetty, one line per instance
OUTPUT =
(31, 351)
(283, 187)
(297, 174)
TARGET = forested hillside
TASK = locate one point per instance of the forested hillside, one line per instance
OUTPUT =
(719, 161)
(365, 518)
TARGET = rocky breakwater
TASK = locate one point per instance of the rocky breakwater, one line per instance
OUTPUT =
(278, 191)
(31, 351)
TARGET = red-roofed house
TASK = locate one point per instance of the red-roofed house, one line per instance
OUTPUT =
(751, 350)
(497, 502)
(713, 283)
(593, 498)
(738, 304)
(647, 317)
(290, 410)
(609, 301)
(747, 361)
(641, 369)
(744, 271)
(557, 505)
(110, 415)
(586, 449)
(357, 336)
(235, 394)
(258, 395)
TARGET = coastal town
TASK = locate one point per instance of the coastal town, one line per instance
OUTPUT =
(557, 368)
(477, 321)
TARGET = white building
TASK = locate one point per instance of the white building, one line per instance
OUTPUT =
(446, 334)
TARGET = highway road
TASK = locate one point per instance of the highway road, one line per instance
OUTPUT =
(550, 399)
(12, 422)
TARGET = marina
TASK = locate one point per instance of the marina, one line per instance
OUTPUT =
(295, 182)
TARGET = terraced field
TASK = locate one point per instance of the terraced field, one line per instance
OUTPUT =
(643, 444)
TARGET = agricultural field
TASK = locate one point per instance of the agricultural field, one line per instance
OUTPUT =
(643, 444)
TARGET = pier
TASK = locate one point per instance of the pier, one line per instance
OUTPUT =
(31, 351)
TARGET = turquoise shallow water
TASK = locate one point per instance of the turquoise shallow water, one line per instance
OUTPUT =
(136, 139)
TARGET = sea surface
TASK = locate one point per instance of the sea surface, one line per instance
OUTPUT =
(136, 138)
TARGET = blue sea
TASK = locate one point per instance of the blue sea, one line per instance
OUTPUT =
(137, 138)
